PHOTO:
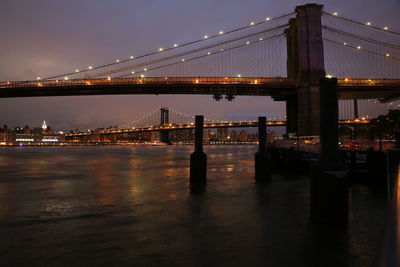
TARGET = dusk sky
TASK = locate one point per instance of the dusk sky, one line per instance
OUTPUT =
(45, 37)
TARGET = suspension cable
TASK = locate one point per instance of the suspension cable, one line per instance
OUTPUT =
(360, 23)
(363, 38)
(202, 56)
(170, 48)
(358, 48)
(144, 64)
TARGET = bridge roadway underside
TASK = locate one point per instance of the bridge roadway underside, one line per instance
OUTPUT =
(278, 91)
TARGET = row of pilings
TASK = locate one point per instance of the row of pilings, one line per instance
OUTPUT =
(329, 175)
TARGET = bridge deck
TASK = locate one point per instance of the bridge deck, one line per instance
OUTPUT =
(252, 86)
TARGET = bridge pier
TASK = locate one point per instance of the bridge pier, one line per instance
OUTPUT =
(353, 163)
(292, 111)
(377, 168)
(198, 159)
(164, 135)
(262, 161)
(329, 185)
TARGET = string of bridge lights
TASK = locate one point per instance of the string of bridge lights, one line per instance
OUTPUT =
(362, 38)
(130, 125)
(136, 122)
(367, 24)
(360, 48)
(190, 116)
(162, 50)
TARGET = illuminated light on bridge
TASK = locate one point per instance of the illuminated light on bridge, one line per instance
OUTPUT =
(221, 32)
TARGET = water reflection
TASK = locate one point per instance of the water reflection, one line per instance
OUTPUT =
(124, 205)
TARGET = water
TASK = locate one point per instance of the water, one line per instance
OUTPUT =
(105, 206)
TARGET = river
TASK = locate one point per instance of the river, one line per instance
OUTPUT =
(116, 206)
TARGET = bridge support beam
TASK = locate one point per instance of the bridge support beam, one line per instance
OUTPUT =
(262, 162)
(306, 64)
(329, 185)
(198, 159)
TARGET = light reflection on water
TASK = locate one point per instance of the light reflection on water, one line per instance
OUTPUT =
(132, 205)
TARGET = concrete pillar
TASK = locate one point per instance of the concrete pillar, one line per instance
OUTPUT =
(355, 108)
(377, 168)
(291, 115)
(393, 170)
(397, 140)
(198, 159)
(306, 63)
(164, 135)
(329, 185)
(262, 163)
(353, 163)
(390, 255)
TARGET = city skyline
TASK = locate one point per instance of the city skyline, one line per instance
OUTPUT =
(50, 37)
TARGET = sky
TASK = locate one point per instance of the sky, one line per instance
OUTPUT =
(44, 37)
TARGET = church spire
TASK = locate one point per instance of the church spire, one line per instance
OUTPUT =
(44, 126)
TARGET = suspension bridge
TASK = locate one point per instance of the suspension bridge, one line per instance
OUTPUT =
(165, 120)
(283, 57)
